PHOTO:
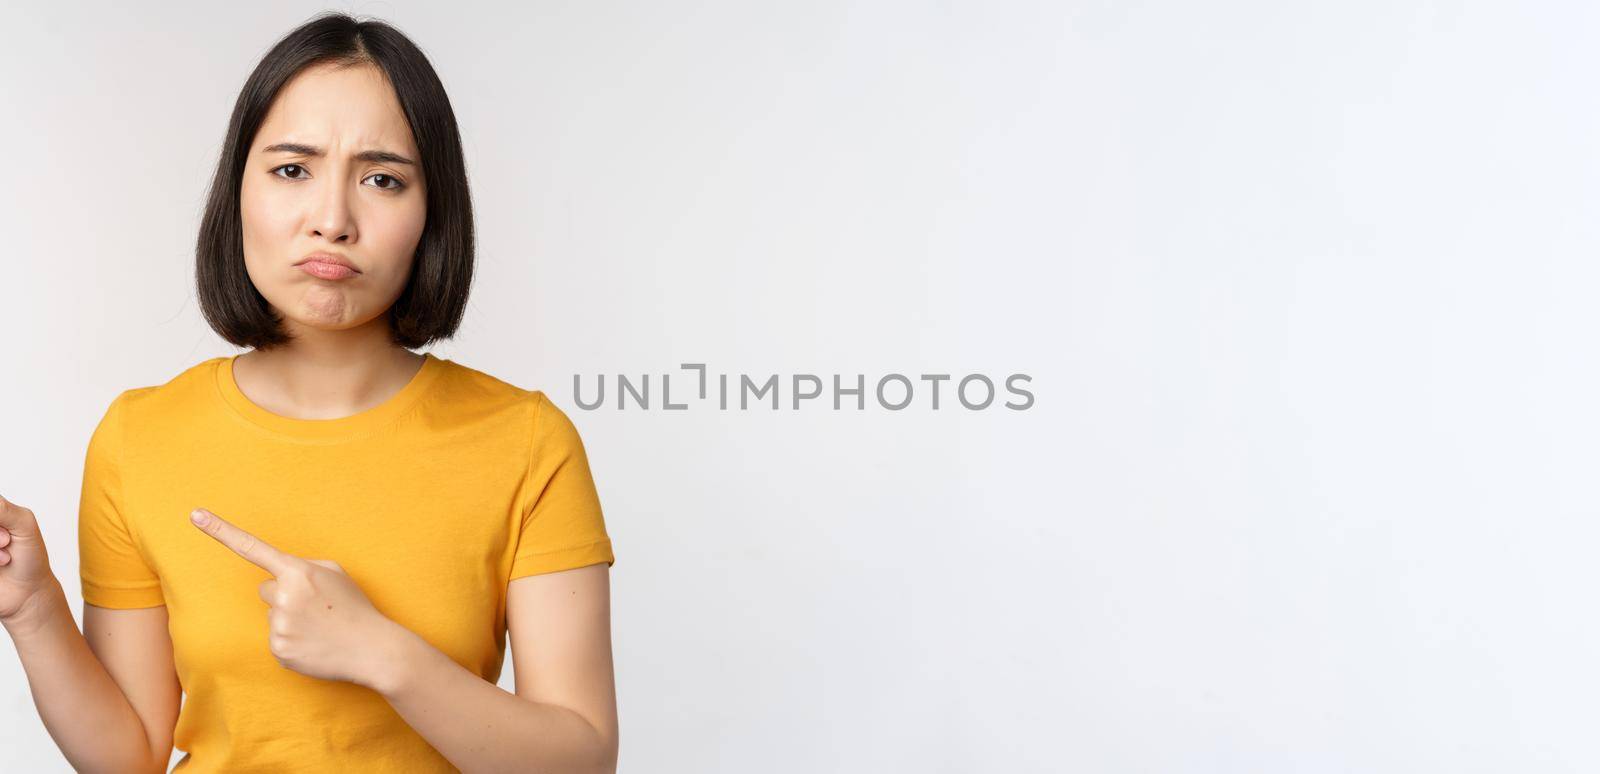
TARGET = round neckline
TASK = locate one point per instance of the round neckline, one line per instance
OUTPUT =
(325, 430)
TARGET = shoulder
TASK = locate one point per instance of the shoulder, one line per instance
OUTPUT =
(177, 395)
(536, 411)
(135, 406)
(465, 382)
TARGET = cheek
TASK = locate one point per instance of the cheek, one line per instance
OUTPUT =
(395, 231)
(262, 217)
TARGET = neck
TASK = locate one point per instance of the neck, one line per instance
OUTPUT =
(327, 374)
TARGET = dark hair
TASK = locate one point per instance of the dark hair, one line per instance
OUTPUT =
(435, 297)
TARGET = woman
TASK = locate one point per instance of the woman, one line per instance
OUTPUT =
(369, 523)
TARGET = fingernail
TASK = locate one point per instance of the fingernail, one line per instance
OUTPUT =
(197, 516)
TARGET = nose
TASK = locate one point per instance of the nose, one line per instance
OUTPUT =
(331, 217)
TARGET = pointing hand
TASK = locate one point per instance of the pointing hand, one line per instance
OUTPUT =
(319, 623)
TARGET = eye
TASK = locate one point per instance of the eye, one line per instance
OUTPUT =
(387, 182)
(286, 167)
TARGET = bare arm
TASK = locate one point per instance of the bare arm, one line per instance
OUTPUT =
(563, 716)
(85, 711)
(97, 695)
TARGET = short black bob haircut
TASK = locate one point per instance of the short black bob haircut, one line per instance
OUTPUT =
(435, 297)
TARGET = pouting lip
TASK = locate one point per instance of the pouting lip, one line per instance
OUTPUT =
(329, 258)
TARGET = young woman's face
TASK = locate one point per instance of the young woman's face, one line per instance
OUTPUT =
(333, 170)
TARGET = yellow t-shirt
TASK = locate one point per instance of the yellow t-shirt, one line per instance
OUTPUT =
(432, 502)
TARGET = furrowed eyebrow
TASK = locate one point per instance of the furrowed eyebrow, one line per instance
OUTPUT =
(375, 156)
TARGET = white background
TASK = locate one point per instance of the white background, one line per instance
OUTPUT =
(1307, 292)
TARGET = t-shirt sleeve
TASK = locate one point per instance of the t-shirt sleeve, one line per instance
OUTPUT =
(563, 527)
(113, 571)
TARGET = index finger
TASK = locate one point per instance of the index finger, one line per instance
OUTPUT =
(253, 549)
